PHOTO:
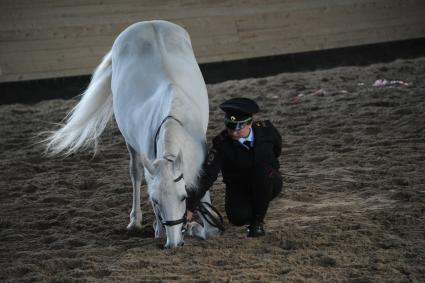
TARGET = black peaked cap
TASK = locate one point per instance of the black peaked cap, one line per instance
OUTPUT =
(240, 106)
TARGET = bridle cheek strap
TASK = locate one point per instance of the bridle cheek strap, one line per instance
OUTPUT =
(179, 178)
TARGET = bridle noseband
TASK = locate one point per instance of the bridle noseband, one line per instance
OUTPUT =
(182, 220)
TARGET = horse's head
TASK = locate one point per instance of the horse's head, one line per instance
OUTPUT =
(167, 193)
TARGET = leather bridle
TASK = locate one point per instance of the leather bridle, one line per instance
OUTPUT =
(203, 206)
(182, 220)
(173, 222)
(155, 149)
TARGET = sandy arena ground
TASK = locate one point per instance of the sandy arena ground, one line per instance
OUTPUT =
(353, 164)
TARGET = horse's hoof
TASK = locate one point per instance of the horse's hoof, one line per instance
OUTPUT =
(212, 232)
(134, 227)
(195, 229)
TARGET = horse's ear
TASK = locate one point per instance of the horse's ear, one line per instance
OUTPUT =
(177, 164)
(147, 164)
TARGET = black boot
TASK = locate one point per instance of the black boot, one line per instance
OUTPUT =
(256, 229)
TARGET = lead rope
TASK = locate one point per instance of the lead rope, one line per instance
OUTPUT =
(216, 222)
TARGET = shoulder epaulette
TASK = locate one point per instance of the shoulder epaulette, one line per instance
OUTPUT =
(262, 123)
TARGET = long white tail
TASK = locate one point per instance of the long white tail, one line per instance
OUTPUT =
(87, 120)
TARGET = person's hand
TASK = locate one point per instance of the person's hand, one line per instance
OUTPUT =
(189, 215)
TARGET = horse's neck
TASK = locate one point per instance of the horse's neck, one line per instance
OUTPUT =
(177, 139)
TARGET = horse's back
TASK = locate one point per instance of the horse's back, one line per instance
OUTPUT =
(153, 66)
(142, 59)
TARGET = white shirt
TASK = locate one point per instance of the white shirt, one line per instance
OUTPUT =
(249, 138)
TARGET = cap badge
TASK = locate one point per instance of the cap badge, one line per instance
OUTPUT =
(233, 118)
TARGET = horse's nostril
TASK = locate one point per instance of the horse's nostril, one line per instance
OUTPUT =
(170, 246)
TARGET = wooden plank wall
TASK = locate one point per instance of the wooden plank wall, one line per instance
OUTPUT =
(59, 38)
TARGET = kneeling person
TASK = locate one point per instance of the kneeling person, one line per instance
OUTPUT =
(246, 153)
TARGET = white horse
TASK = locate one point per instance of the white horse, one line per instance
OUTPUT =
(151, 82)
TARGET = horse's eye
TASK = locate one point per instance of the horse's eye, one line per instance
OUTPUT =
(184, 198)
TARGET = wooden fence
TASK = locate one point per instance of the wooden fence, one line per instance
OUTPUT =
(60, 38)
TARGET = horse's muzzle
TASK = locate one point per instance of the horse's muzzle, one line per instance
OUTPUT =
(170, 246)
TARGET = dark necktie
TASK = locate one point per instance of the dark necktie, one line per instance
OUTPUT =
(247, 143)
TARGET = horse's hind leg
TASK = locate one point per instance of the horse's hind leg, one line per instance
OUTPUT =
(136, 174)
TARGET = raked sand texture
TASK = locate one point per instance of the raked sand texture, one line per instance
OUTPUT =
(353, 164)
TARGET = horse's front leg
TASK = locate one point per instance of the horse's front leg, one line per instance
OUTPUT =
(136, 174)
(206, 230)
(209, 230)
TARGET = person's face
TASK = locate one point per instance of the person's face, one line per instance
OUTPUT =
(244, 132)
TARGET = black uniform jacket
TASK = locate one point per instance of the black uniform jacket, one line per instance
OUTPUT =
(235, 161)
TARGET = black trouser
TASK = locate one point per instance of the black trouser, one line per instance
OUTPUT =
(247, 202)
